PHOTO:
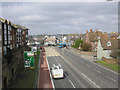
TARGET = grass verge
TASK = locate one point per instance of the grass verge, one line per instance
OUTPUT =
(27, 77)
(114, 67)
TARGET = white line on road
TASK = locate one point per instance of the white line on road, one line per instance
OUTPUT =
(91, 81)
(56, 60)
(81, 62)
(110, 78)
(82, 73)
(87, 65)
(50, 74)
(106, 68)
(97, 71)
(72, 84)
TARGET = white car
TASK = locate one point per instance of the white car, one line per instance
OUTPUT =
(57, 71)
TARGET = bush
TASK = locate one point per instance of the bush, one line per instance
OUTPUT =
(73, 46)
(86, 47)
(77, 43)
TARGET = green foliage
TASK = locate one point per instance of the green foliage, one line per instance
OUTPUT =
(77, 43)
(73, 46)
(86, 47)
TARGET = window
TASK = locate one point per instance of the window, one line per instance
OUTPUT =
(5, 34)
(0, 49)
(0, 38)
(108, 43)
(5, 50)
(10, 46)
(5, 26)
(98, 37)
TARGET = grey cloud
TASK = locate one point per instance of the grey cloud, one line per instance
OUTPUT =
(62, 17)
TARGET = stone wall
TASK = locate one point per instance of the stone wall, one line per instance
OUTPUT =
(111, 61)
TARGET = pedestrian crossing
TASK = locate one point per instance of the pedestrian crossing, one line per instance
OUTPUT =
(51, 52)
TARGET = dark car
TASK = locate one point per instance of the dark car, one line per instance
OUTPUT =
(43, 50)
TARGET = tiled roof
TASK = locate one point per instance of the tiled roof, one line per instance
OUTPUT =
(14, 25)
(115, 44)
(21, 27)
(93, 35)
(2, 20)
(50, 39)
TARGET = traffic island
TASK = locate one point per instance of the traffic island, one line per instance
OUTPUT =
(27, 77)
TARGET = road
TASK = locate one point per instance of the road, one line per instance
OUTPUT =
(79, 73)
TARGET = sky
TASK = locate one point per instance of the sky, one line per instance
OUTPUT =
(62, 17)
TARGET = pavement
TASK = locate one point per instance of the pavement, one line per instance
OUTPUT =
(85, 55)
(79, 72)
(44, 78)
(0, 70)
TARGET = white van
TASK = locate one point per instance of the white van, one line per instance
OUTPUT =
(57, 71)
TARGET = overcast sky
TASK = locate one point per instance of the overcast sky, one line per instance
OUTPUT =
(61, 17)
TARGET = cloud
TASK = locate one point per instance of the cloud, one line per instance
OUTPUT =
(62, 17)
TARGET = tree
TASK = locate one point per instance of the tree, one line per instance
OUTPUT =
(77, 43)
(86, 47)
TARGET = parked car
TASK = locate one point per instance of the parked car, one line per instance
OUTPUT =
(43, 50)
(57, 71)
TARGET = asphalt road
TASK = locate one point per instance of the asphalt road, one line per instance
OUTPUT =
(80, 73)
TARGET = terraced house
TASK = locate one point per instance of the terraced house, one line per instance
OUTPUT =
(13, 43)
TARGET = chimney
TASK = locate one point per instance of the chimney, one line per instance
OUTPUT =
(86, 31)
(90, 30)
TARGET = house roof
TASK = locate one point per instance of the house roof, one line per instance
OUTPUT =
(115, 44)
(22, 27)
(93, 35)
(50, 39)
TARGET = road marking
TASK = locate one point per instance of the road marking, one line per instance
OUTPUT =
(82, 74)
(50, 74)
(110, 78)
(56, 60)
(96, 63)
(72, 83)
(97, 71)
(105, 68)
(87, 65)
(91, 81)
(81, 62)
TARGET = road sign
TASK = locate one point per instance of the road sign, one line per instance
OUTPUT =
(34, 49)
(28, 58)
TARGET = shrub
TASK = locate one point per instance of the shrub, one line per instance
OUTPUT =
(73, 46)
(86, 47)
(77, 43)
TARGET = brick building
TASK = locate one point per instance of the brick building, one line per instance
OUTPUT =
(93, 36)
(13, 43)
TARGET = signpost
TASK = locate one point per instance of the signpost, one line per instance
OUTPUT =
(34, 49)
(29, 59)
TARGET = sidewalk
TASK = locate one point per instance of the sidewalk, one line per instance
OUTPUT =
(44, 78)
(85, 55)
